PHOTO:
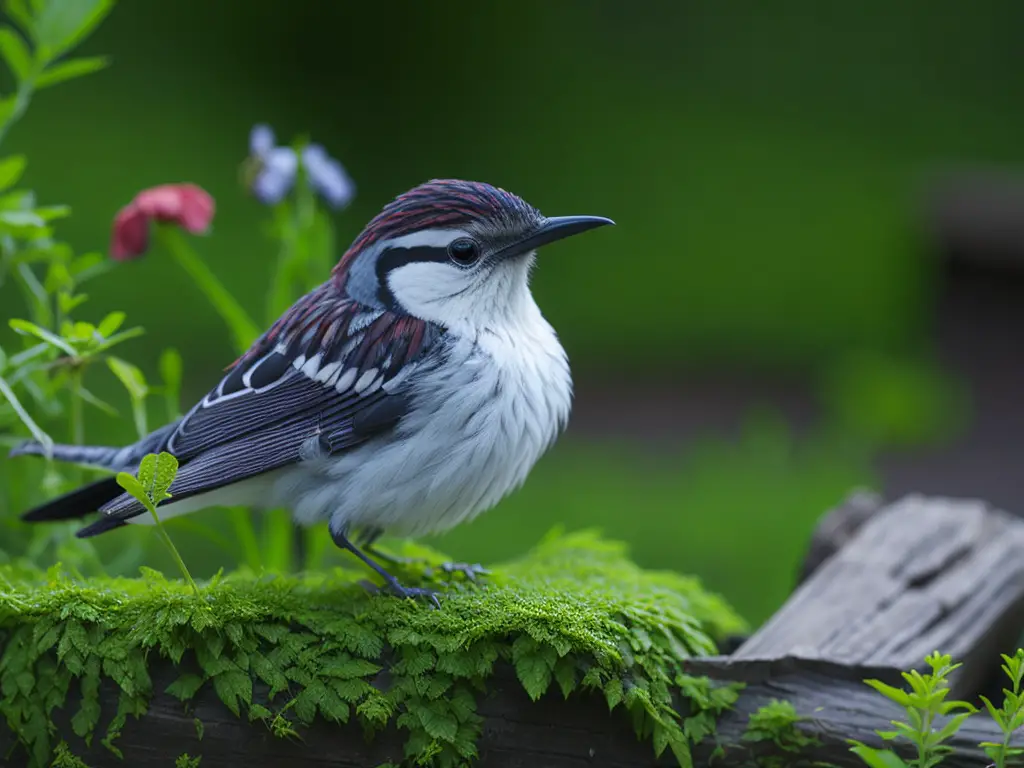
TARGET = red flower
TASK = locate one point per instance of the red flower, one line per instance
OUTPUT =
(188, 206)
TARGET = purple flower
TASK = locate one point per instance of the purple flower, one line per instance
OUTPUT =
(277, 168)
(327, 177)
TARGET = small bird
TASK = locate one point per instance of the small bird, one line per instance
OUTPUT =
(408, 393)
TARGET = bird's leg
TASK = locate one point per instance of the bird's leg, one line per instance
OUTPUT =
(371, 536)
(393, 584)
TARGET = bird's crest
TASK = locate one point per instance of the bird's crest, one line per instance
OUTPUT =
(437, 203)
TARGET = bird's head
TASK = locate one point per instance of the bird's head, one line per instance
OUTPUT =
(456, 253)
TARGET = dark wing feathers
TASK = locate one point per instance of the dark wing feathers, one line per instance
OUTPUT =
(315, 381)
(272, 447)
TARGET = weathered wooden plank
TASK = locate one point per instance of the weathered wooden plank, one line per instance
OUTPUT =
(837, 527)
(837, 707)
(919, 575)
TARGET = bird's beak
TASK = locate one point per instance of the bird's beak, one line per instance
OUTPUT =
(554, 229)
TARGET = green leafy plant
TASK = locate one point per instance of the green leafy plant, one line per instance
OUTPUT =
(36, 55)
(150, 487)
(1010, 716)
(776, 722)
(45, 384)
(924, 702)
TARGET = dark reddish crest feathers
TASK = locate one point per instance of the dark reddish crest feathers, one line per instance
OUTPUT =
(437, 203)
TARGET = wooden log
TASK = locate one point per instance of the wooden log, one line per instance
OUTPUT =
(919, 575)
(837, 527)
(517, 732)
(903, 580)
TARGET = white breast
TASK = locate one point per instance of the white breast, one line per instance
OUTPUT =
(481, 420)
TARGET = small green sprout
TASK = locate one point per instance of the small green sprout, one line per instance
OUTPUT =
(776, 722)
(156, 473)
(1009, 717)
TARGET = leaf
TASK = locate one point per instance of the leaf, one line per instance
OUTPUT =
(51, 212)
(950, 728)
(166, 471)
(22, 223)
(72, 68)
(69, 303)
(347, 669)
(62, 24)
(565, 675)
(437, 721)
(185, 687)
(15, 53)
(134, 487)
(268, 673)
(613, 693)
(535, 675)
(901, 697)
(11, 169)
(25, 327)
(117, 338)
(90, 265)
(18, 11)
(147, 476)
(878, 758)
(232, 687)
(109, 324)
(130, 376)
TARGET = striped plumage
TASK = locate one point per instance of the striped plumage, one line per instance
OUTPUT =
(412, 390)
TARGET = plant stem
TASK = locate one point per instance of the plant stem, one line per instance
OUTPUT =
(26, 419)
(282, 293)
(77, 421)
(244, 330)
(245, 533)
(174, 550)
(21, 99)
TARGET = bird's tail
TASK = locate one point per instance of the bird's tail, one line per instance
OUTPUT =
(112, 459)
(79, 503)
(98, 456)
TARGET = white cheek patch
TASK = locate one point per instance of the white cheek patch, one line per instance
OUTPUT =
(435, 291)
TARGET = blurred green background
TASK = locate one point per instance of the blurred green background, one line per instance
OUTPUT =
(762, 162)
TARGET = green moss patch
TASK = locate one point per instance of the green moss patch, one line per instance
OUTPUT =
(573, 614)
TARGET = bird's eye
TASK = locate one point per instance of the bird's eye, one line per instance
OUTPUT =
(464, 252)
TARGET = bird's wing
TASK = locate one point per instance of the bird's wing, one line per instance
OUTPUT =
(321, 380)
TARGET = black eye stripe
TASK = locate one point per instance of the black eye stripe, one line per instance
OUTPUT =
(393, 258)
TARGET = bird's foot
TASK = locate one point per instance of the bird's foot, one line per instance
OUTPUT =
(470, 571)
(413, 593)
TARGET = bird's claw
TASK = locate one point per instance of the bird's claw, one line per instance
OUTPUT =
(415, 592)
(470, 571)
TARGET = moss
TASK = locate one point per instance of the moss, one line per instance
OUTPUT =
(573, 614)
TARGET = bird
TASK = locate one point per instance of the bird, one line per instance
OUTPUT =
(408, 393)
